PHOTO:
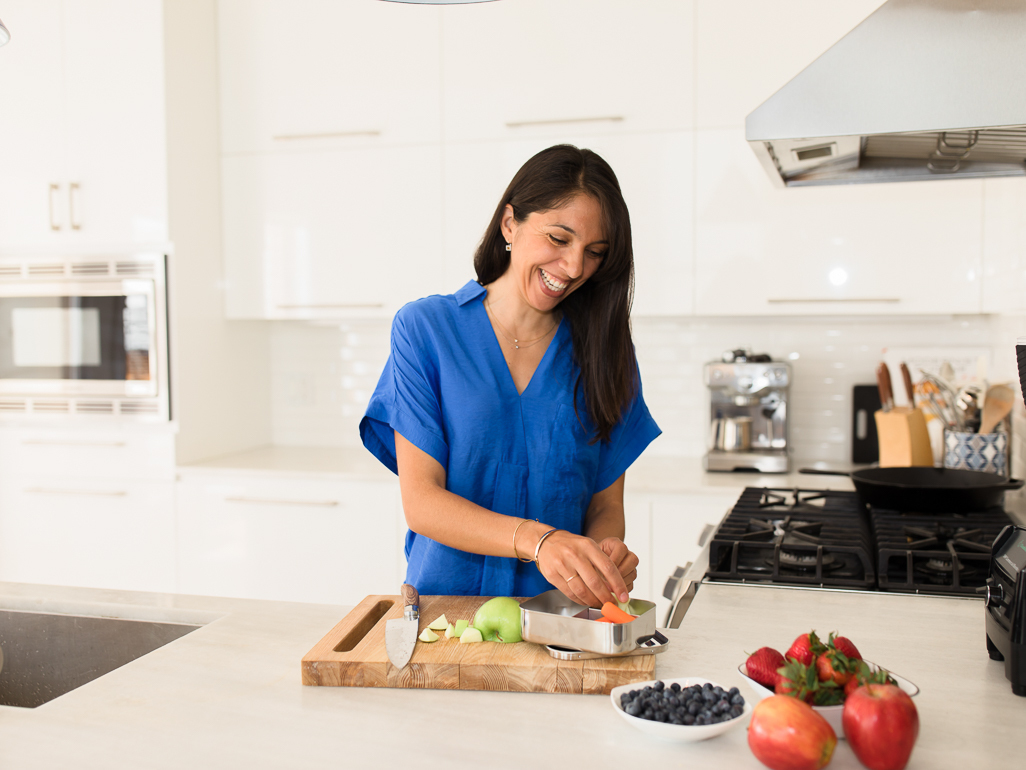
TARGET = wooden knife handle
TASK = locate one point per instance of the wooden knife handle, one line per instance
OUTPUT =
(883, 382)
(910, 390)
(410, 596)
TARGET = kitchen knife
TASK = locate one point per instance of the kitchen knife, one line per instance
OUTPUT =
(910, 390)
(883, 382)
(401, 633)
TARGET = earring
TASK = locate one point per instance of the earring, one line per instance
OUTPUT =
(508, 247)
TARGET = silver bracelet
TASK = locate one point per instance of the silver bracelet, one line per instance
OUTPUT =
(540, 541)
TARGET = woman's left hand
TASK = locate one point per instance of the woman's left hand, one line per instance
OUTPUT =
(626, 561)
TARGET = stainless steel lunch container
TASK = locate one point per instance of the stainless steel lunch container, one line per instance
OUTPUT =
(553, 619)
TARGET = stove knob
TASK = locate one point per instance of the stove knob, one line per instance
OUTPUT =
(993, 595)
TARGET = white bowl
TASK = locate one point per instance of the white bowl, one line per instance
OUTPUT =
(677, 733)
(832, 714)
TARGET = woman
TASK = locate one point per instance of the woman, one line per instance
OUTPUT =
(512, 409)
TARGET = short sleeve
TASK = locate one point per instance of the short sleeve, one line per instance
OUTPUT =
(629, 438)
(407, 397)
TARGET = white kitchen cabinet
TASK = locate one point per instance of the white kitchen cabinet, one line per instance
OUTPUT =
(1004, 246)
(318, 74)
(85, 164)
(654, 171)
(100, 533)
(344, 233)
(532, 67)
(884, 249)
(741, 59)
(289, 539)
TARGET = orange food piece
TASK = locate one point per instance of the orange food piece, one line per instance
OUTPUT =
(603, 619)
(615, 614)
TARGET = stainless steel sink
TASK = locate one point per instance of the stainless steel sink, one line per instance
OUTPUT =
(48, 655)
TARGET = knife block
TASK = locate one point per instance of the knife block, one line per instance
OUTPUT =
(903, 438)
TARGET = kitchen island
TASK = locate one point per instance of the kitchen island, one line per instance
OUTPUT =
(229, 694)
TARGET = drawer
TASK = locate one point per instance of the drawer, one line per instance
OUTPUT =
(305, 540)
(127, 454)
(96, 533)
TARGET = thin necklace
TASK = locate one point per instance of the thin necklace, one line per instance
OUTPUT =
(513, 341)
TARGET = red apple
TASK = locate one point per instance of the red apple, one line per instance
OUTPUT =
(786, 734)
(881, 724)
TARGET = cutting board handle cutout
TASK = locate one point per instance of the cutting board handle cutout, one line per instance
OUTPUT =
(363, 626)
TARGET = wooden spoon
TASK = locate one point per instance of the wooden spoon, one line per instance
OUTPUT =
(996, 406)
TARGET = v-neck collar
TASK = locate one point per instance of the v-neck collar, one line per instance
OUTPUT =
(496, 346)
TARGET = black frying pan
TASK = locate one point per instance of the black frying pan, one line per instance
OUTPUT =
(927, 490)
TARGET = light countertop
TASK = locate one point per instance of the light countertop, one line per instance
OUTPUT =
(651, 473)
(229, 694)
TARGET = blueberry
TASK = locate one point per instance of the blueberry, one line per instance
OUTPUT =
(673, 701)
(718, 690)
(736, 711)
(705, 713)
(647, 690)
(675, 686)
(688, 719)
(676, 721)
(634, 709)
(707, 686)
(737, 700)
(733, 691)
(658, 686)
(709, 696)
(694, 708)
(633, 693)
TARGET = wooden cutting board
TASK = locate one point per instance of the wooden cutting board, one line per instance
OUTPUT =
(353, 654)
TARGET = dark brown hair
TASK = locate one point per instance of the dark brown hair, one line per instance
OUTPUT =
(599, 311)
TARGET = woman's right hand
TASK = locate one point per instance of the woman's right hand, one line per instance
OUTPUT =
(582, 569)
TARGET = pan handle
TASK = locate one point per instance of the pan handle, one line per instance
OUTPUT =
(1013, 484)
(822, 472)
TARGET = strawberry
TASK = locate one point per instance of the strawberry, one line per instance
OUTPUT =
(832, 666)
(844, 646)
(762, 666)
(805, 648)
(800, 681)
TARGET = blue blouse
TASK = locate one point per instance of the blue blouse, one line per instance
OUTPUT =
(447, 389)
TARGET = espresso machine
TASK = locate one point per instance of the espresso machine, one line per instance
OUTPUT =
(747, 413)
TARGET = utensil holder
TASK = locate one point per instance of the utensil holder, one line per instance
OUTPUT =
(903, 438)
(976, 451)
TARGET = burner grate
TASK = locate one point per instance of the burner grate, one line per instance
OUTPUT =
(794, 536)
(929, 553)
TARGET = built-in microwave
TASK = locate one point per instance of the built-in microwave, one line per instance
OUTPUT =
(84, 336)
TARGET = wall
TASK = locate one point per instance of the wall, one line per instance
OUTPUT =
(324, 375)
(221, 369)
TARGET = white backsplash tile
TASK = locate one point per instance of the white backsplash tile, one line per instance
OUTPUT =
(324, 375)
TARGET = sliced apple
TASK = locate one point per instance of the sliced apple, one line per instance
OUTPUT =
(461, 626)
(439, 623)
(427, 635)
(450, 631)
(471, 635)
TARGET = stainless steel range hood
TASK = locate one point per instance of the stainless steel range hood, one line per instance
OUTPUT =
(922, 89)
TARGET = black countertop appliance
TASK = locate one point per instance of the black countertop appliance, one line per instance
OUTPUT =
(1006, 605)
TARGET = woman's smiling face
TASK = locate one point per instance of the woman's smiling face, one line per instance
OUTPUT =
(555, 251)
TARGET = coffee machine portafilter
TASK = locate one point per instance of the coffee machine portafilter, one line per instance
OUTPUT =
(748, 396)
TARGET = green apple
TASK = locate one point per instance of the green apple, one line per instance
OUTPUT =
(498, 620)
(427, 635)
(471, 635)
(450, 631)
(439, 623)
(461, 626)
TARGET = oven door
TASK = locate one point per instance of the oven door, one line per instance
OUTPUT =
(79, 338)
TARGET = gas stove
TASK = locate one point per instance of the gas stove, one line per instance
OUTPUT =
(829, 539)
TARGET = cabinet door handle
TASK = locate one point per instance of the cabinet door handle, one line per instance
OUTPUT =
(796, 300)
(323, 135)
(337, 305)
(54, 224)
(76, 492)
(73, 190)
(50, 442)
(270, 501)
(558, 121)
